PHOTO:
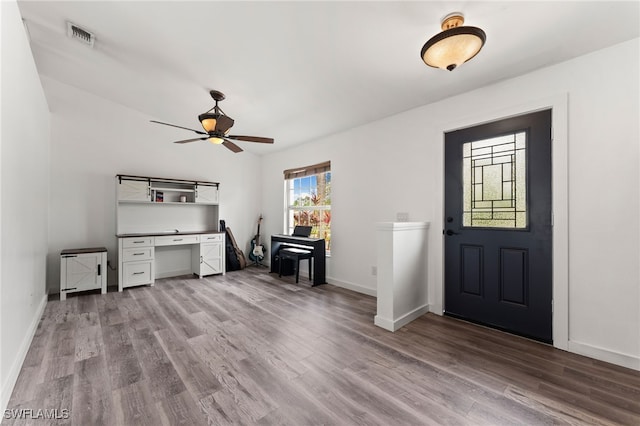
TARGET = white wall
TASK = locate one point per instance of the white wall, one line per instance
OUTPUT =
(93, 139)
(377, 170)
(396, 165)
(24, 195)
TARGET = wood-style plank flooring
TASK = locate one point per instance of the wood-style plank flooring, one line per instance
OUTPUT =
(250, 348)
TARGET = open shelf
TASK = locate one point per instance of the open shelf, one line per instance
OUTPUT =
(154, 204)
(156, 188)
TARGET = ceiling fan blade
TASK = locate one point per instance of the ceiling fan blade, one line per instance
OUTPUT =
(179, 127)
(232, 146)
(251, 139)
(192, 140)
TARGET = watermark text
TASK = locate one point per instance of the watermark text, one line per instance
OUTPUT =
(40, 413)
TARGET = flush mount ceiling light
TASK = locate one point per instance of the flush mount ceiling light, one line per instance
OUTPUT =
(454, 46)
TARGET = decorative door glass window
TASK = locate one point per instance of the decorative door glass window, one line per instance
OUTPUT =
(494, 182)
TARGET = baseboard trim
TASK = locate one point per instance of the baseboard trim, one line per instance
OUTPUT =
(354, 287)
(385, 323)
(393, 325)
(617, 358)
(436, 309)
(12, 377)
(338, 283)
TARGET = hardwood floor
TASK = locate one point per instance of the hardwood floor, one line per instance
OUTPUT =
(250, 348)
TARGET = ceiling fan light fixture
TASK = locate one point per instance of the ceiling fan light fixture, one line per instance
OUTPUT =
(215, 140)
(215, 122)
(208, 121)
(455, 45)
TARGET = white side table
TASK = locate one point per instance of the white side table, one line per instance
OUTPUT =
(83, 269)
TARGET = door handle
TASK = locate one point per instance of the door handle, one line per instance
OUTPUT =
(449, 232)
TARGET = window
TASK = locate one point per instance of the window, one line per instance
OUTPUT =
(308, 197)
(494, 182)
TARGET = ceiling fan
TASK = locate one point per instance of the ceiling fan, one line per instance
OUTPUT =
(217, 126)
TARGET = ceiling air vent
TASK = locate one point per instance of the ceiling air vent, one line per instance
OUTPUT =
(80, 34)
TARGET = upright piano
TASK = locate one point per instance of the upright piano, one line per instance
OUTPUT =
(317, 245)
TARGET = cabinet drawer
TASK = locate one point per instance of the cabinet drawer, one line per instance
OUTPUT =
(172, 240)
(135, 254)
(210, 238)
(137, 242)
(136, 273)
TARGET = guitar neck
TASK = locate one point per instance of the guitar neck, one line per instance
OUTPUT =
(258, 233)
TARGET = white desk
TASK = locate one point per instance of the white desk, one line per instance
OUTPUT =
(138, 254)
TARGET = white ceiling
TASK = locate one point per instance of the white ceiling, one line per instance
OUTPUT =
(297, 71)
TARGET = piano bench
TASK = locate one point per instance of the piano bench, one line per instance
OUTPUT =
(296, 255)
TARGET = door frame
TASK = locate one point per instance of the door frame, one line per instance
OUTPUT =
(560, 205)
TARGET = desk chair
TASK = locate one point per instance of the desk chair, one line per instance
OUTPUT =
(296, 255)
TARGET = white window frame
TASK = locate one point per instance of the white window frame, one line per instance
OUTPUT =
(290, 209)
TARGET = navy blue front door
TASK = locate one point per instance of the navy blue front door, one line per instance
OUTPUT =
(498, 225)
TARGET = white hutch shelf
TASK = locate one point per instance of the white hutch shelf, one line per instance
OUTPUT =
(166, 227)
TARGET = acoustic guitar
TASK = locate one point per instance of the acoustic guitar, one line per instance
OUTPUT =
(235, 256)
(257, 250)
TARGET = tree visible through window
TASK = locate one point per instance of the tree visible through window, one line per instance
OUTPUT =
(308, 195)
